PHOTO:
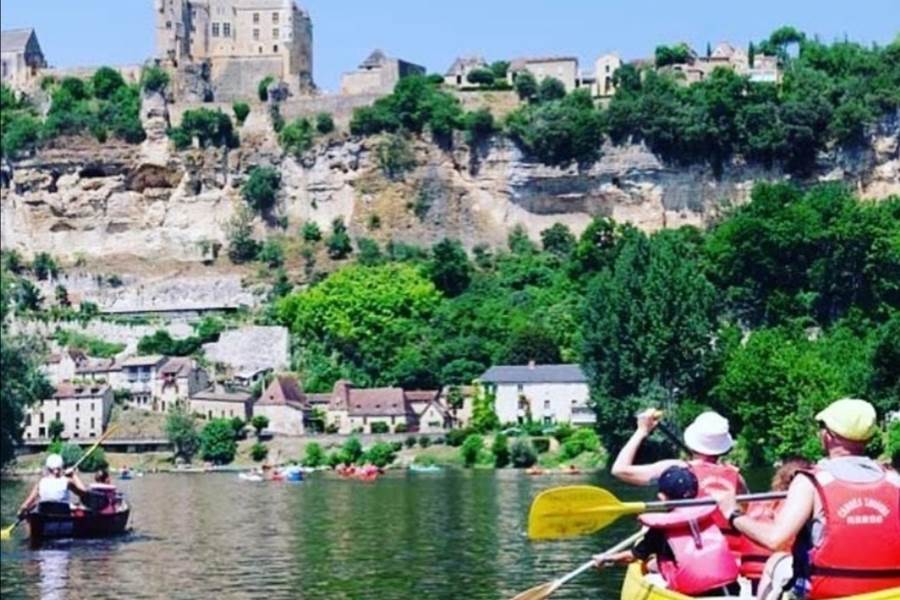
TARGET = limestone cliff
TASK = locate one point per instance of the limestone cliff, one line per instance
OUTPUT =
(83, 200)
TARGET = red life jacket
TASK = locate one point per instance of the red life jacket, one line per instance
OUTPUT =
(753, 556)
(722, 477)
(702, 559)
(860, 548)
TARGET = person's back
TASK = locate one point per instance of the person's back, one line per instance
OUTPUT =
(52, 488)
(857, 504)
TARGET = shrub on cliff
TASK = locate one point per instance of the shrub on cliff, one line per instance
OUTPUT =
(414, 104)
(481, 77)
(262, 89)
(241, 111)
(260, 190)
(210, 127)
(154, 79)
(338, 243)
(394, 155)
(106, 81)
(525, 85)
(296, 137)
(324, 123)
(241, 245)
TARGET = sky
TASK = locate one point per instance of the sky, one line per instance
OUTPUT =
(433, 32)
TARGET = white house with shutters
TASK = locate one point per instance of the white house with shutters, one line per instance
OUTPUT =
(547, 394)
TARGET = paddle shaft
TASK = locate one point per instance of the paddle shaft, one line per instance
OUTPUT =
(94, 447)
(626, 543)
(666, 504)
(674, 438)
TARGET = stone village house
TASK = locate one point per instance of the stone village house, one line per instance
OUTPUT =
(215, 403)
(21, 57)
(547, 394)
(378, 74)
(83, 409)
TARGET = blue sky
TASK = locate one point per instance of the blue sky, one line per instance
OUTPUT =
(432, 33)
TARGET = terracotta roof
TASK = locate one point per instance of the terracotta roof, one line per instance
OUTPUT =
(374, 402)
(15, 40)
(99, 365)
(284, 390)
(464, 63)
(421, 395)
(213, 395)
(178, 366)
(67, 390)
(143, 361)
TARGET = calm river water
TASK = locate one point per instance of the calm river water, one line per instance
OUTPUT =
(449, 535)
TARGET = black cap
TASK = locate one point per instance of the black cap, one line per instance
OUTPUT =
(678, 483)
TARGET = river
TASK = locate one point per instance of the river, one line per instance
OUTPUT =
(453, 534)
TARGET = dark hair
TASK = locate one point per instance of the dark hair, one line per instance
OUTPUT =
(678, 483)
(102, 476)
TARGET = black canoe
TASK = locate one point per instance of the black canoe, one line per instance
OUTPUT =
(57, 520)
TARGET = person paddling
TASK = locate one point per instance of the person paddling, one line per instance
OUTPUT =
(54, 486)
(683, 549)
(709, 439)
(842, 513)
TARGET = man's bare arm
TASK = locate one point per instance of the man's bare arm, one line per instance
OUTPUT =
(796, 511)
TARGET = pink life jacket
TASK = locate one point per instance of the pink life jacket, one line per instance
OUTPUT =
(702, 559)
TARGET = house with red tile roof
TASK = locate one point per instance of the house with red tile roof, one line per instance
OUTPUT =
(284, 404)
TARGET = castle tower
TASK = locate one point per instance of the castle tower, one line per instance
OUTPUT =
(172, 28)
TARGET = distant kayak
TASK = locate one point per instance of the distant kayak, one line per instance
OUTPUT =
(425, 468)
(250, 477)
(536, 471)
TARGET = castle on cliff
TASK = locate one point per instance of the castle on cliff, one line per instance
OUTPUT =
(235, 44)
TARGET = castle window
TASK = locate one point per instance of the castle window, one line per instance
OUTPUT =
(276, 17)
(275, 34)
(256, 34)
(226, 29)
(215, 30)
(168, 24)
(256, 18)
(275, 49)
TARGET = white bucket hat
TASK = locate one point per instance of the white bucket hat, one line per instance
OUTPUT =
(54, 461)
(709, 435)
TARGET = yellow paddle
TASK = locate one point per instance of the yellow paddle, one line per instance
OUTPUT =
(570, 511)
(6, 532)
(545, 590)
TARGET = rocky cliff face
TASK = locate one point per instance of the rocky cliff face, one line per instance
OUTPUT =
(81, 199)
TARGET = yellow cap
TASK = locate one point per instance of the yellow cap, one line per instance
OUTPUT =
(852, 419)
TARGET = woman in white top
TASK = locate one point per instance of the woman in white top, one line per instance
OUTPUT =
(54, 486)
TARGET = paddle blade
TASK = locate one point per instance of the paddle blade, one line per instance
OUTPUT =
(570, 511)
(6, 532)
(538, 592)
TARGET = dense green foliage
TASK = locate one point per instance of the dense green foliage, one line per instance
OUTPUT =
(296, 137)
(471, 448)
(313, 456)
(324, 123)
(241, 112)
(93, 346)
(72, 453)
(791, 298)
(260, 189)
(217, 442)
(500, 450)
(161, 341)
(381, 454)
(21, 380)
(208, 127)
(154, 79)
(523, 454)
(241, 245)
(259, 451)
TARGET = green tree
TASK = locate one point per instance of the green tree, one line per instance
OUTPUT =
(241, 245)
(479, 125)
(550, 89)
(271, 254)
(44, 267)
(338, 243)
(380, 427)
(352, 449)
(238, 425)
(648, 319)
(313, 456)
(484, 417)
(217, 443)
(260, 189)
(481, 77)
(500, 68)
(297, 137)
(209, 127)
(381, 454)
(523, 454)
(311, 232)
(324, 123)
(181, 431)
(471, 448)
(55, 429)
(500, 449)
(558, 240)
(259, 423)
(263, 88)
(154, 79)
(525, 84)
(369, 252)
(672, 55)
(259, 452)
(106, 82)
(241, 111)
(449, 269)
(582, 440)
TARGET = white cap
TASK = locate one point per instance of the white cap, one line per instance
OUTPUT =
(709, 435)
(54, 461)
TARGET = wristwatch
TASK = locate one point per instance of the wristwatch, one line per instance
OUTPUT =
(734, 515)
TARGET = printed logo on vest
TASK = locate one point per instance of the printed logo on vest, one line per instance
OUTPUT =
(863, 511)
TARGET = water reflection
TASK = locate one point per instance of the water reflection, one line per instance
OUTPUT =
(451, 535)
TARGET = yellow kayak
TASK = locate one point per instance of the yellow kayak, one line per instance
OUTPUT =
(636, 587)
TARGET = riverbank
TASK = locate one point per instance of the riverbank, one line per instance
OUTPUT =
(291, 450)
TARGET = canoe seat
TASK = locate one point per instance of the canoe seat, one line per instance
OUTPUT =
(54, 508)
(96, 501)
